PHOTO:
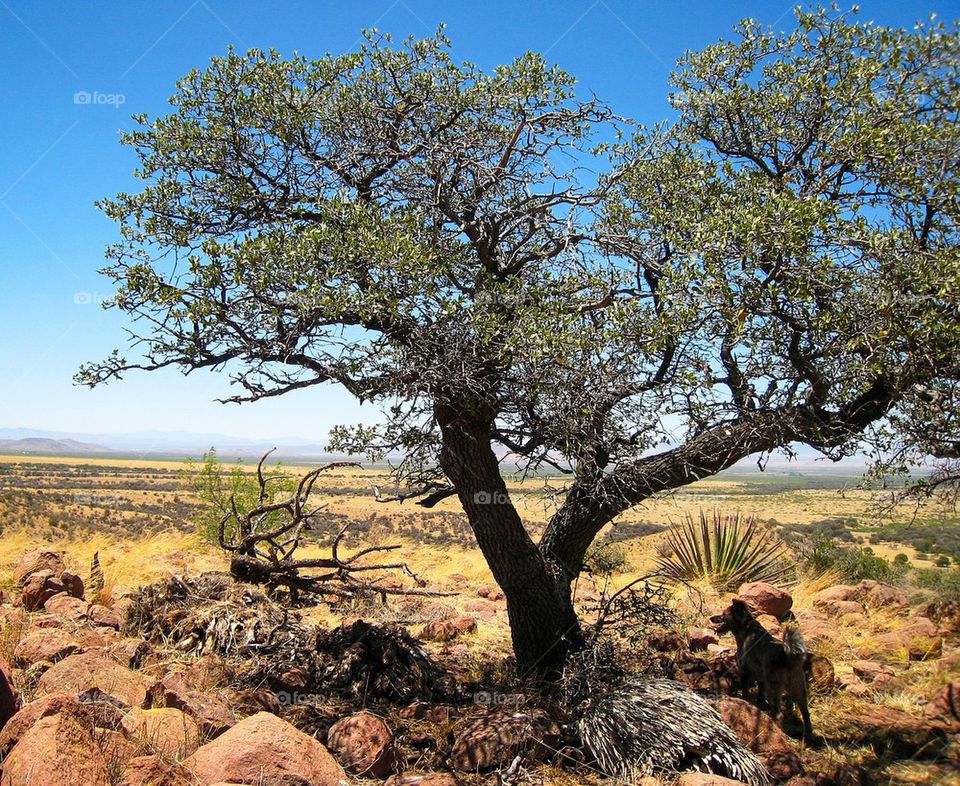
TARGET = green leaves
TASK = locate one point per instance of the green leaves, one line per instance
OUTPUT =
(725, 551)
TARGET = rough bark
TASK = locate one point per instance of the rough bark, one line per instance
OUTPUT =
(543, 624)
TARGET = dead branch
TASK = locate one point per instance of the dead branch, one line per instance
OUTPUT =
(264, 547)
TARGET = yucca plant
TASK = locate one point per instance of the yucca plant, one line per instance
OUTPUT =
(725, 550)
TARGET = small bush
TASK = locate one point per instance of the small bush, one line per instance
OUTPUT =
(944, 583)
(820, 554)
(606, 557)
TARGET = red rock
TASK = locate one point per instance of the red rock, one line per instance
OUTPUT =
(38, 588)
(840, 608)
(483, 609)
(918, 639)
(248, 701)
(705, 779)
(38, 560)
(44, 644)
(757, 730)
(95, 674)
(211, 712)
(432, 713)
(498, 737)
(363, 744)
(58, 750)
(869, 670)
(154, 771)
(875, 595)
(294, 678)
(764, 598)
(836, 592)
(73, 583)
(820, 673)
(166, 731)
(490, 593)
(770, 623)
(9, 698)
(422, 779)
(264, 749)
(700, 638)
(665, 641)
(65, 605)
(853, 685)
(30, 713)
(447, 630)
(944, 707)
(101, 615)
(132, 653)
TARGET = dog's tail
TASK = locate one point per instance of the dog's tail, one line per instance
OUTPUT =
(793, 642)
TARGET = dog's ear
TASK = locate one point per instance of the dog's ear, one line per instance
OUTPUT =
(739, 608)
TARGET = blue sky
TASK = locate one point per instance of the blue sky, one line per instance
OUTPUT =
(58, 153)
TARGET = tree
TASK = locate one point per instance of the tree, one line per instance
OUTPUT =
(778, 266)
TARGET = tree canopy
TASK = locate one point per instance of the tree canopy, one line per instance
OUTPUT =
(510, 269)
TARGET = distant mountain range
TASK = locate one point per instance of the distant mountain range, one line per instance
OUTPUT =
(53, 447)
(184, 443)
(177, 443)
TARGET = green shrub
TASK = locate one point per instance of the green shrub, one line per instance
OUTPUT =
(216, 485)
(820, 554)
(606, 557)
(944, 583)
(725, 550)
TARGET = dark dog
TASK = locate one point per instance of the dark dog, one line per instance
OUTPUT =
(775, 667)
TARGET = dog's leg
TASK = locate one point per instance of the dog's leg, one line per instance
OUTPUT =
(805, 711)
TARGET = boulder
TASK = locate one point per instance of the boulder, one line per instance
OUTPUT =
(918, 639)
(73, 584)
(820, 673)
(265, 749)
(67, 606)
(153, 770)
(666, 641)
(944, 707)
(705, 779)
(9, 698)
(870, 670)
(448, 629)
(771, 624)
(842, 608)
(764, 598)
(37, 560)
(38, 588)
(212, 713)
(757, 730)
(132, 653)
(94, 674)
(498, 736)
(875, 595)
(422, 779)
(432, 713)
(44, 644)
(363, 744)
(166, 732)
(30, 713)
(841, 592)
(699, 639)
(101, 615)
(852, 684)
(58, 750)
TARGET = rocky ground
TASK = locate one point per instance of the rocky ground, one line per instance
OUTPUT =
(201, 682)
